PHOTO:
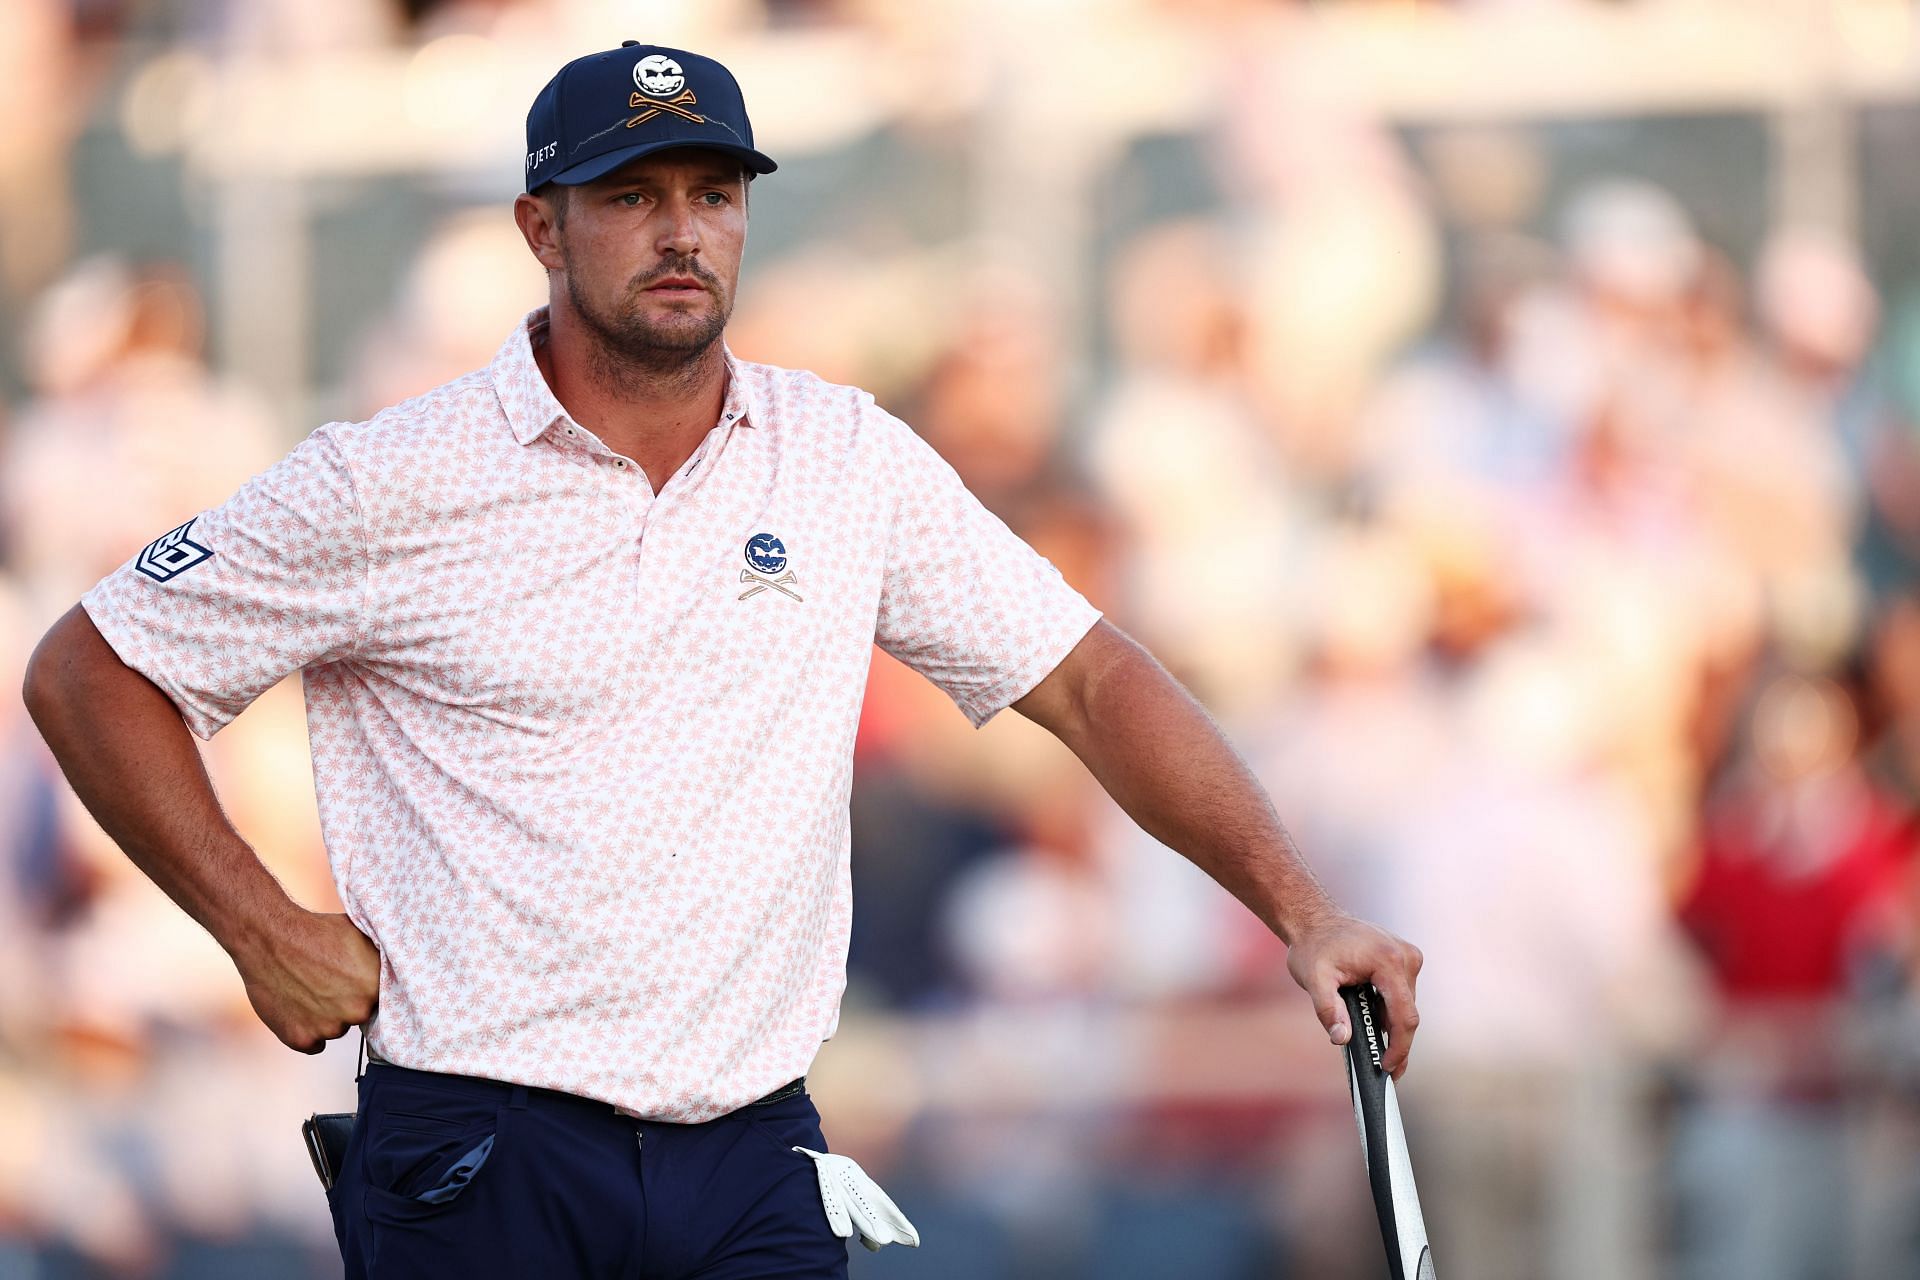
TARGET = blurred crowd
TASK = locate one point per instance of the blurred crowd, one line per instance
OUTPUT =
(1555, 566)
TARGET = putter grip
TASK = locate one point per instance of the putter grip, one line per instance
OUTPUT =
(1366, 1047)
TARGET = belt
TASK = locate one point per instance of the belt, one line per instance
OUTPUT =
(785, 1091)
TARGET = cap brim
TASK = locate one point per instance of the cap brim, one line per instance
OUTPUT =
(602, 165)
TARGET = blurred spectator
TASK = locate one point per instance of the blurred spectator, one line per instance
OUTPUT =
(1340, 263)
(1495, 400)
(1893, 759)
(1801, 870)
(39, 81)
(472, 282)
(129, 433)
(991, 403)
(1179, 452)
(1367, 725)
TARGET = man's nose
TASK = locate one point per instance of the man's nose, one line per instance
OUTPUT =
(680, 232)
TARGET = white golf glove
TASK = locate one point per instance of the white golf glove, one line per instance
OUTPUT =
(855, 1202)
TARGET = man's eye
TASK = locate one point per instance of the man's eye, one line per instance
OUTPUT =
(630, 199)
(716, 198)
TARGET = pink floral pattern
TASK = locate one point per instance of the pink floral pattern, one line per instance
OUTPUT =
(583, 785)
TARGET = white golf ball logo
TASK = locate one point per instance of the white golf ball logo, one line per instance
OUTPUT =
(658, 76)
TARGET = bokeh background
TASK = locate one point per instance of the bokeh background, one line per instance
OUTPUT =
(1505, 417)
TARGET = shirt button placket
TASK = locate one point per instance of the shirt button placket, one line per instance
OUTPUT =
(640, 500)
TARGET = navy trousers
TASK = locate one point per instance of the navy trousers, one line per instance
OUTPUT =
(455, 1176)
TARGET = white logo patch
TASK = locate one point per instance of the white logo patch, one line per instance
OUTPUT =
(658, 76)
(171, 554)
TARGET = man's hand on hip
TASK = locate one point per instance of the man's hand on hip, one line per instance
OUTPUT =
(122, 744)
(1339, 950)
(317, 976)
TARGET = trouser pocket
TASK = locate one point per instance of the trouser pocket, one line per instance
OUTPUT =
(422, 1152)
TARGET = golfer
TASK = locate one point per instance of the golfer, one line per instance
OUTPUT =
(584, 636)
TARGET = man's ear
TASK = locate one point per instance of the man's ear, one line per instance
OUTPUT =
(539, 218)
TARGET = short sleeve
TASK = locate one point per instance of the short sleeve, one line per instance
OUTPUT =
(217, 611)
(965, 602)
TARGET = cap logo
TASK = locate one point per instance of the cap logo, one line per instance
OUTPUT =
(661, 89)
(658, 76)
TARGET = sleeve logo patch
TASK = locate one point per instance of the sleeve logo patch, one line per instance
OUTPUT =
(171, 554)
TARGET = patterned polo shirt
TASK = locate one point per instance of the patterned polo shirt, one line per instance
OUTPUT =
(582, 750)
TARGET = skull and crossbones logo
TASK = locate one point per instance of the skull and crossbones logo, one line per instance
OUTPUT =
(662, 89)
(767, 556)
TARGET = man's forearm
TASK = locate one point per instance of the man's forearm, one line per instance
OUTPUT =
(133, 763)
(1159, 755)
(1162, 759)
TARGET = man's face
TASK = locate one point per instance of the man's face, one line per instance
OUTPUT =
(651, 253)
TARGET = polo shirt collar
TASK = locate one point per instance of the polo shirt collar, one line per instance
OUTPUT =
(529, 402)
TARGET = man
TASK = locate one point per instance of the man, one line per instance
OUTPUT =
(584, 637)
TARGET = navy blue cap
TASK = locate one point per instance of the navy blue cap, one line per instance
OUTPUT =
(605, 109)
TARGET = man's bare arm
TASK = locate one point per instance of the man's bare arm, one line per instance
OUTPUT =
(1160, 756)
(133, 763)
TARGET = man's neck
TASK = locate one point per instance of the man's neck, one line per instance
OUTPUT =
(657, 417)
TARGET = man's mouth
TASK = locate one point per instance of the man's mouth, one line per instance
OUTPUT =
(676, 287)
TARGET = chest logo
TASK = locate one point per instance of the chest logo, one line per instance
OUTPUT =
(767, 568)
(172, 553)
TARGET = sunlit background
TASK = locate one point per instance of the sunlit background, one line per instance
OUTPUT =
(1505, 416)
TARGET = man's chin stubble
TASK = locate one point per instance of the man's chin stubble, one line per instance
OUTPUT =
(649, 346)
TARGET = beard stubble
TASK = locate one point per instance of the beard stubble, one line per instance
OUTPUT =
(630, 345)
